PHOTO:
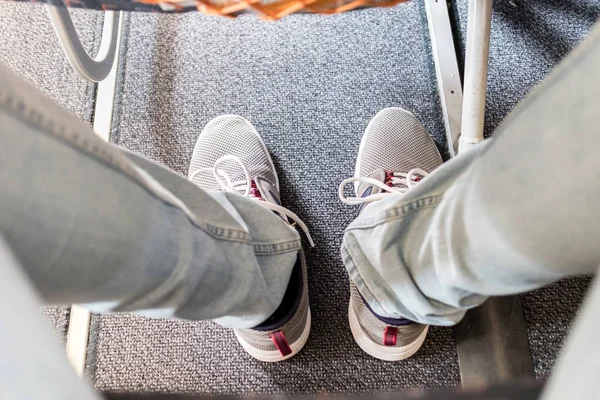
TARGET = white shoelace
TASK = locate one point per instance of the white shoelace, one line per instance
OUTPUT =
(407, 179)
(244, 187)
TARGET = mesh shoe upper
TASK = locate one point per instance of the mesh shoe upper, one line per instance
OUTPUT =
(231, 135)
(396, 141)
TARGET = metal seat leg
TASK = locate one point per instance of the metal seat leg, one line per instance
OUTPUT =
(93, 69)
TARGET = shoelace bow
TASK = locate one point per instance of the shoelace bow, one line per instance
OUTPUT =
(244, 187)
(396, 182)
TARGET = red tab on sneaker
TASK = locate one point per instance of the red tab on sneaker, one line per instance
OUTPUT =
(389, 336)
(281, 343)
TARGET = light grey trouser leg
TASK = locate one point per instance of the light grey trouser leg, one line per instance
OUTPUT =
(519, 212)
(578, 371)
(88, 225)
(32, 362)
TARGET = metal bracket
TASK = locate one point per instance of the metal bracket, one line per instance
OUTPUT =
(446, 69)
(93, 69)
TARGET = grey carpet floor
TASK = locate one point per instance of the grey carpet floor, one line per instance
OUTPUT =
(310, 84)
(529, 37)
(58, 318)
(29, 47)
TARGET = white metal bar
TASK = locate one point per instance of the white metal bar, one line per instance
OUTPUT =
(93, 69)
(105, 95)
(77, 338)
(446, 68)
(79, 321)
(476, 68)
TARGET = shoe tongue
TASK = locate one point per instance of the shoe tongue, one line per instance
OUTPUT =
(233, 169)
(265, 190)
(366, 189)
(259, 185)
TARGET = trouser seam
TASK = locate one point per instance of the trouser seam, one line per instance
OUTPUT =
(278, 248)
(44, 125)
(361, 281)
(183, 264)
(392, 214)
(397, 212)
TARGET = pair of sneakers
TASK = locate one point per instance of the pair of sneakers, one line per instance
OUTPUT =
(395, 153)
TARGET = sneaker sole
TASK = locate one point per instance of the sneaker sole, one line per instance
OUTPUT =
(385, 353)
(275, 355)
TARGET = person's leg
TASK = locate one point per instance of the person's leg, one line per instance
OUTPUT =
(90, 226)
(33, 363)
(514, 214)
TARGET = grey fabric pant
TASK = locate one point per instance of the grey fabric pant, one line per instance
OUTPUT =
(515, 213)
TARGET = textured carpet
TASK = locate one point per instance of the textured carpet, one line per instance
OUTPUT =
(29, 47)
(310, 84)
(529, 37)
(58, 318)
(549, 314)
